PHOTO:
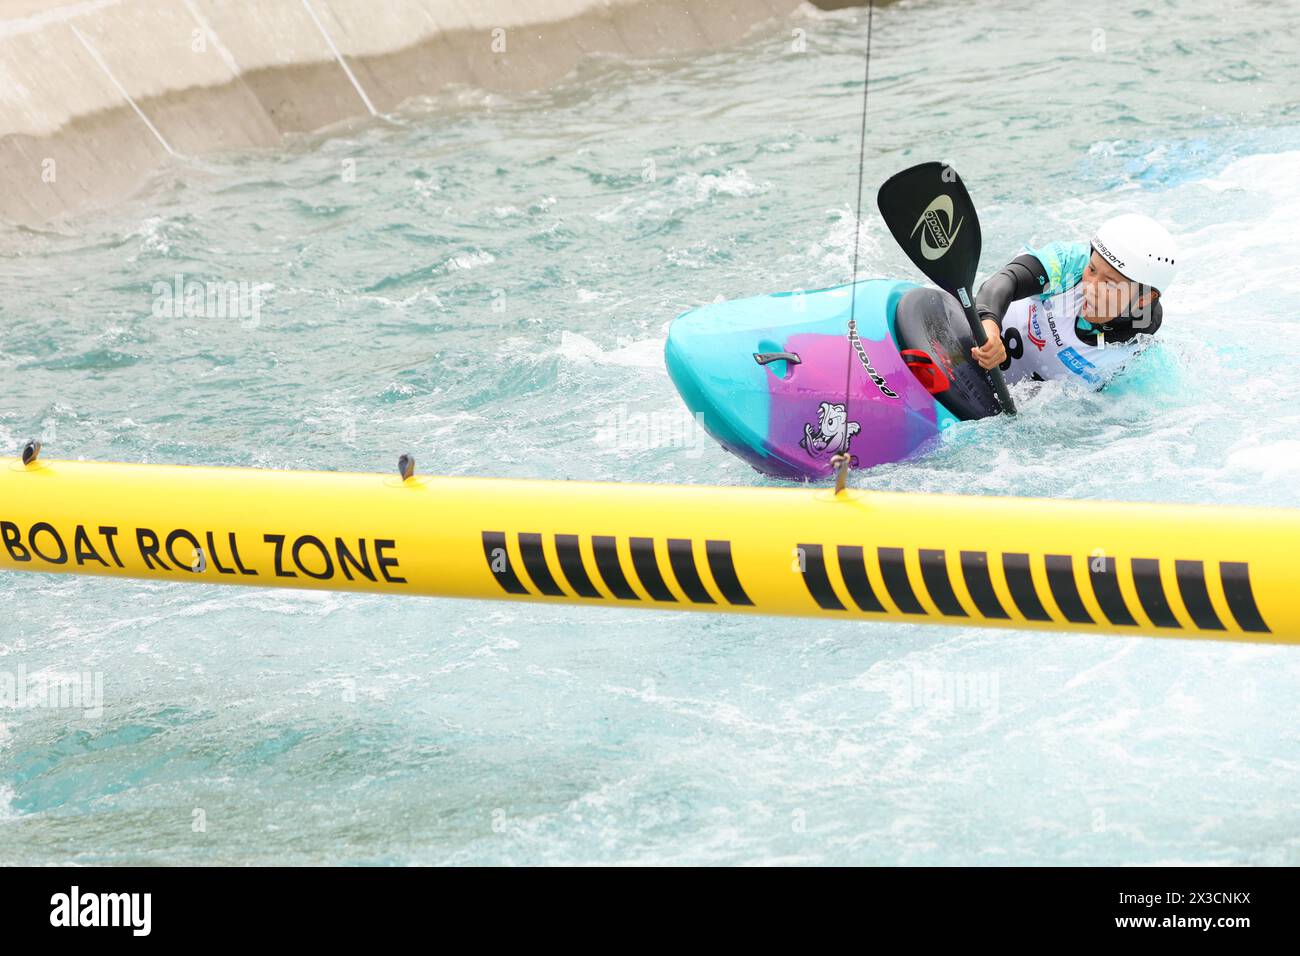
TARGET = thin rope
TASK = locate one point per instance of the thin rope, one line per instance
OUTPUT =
(99, 60)
(329, 40)
(843, 465)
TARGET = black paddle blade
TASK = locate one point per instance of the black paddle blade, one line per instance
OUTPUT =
(932, 217)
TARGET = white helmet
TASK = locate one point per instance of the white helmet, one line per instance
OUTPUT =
(1138, 248)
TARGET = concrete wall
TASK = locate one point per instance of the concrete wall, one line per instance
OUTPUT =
(94, 95)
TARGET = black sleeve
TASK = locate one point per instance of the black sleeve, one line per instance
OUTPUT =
(1022, 276)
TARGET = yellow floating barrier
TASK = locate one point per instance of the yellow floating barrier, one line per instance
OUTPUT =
(1226, 573)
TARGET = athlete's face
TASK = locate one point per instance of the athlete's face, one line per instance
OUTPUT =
(1106, 293)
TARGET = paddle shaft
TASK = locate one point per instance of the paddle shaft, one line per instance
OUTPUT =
(981, 337)
(932, 218)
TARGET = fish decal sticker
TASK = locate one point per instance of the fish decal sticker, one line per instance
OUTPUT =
(833, 433)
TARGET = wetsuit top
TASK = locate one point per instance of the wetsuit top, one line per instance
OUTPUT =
(1036, 301)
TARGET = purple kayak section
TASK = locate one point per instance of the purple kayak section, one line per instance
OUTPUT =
(788, 418)
(880, 423)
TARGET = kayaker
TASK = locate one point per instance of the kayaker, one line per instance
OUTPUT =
(1077, 310)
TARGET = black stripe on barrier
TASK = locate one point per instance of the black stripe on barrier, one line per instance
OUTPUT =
(530, 547)
(498, 559)
(854, 571)
(1105, 587)
(893, 570)
(1060, 578)
(681, 555)
(1241, 599)
(815, 578)
(934, 573)
(569, 549)
(611, 571)
(1196, 596)
(1151, 592)
(1020, 582)
(724, 572)
(1103, 576)
(647, 569)
(975, 569)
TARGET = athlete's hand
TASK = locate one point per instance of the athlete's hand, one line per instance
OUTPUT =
(992, 353)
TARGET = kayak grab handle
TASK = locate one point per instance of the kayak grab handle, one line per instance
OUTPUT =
(767, 358)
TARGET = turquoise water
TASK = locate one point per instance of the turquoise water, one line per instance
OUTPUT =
(485, 281)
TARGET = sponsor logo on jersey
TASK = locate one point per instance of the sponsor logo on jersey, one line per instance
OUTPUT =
(1048, 309)
(1036, 330)
(1079, 365)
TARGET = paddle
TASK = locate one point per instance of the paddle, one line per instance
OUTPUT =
(932, 217)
